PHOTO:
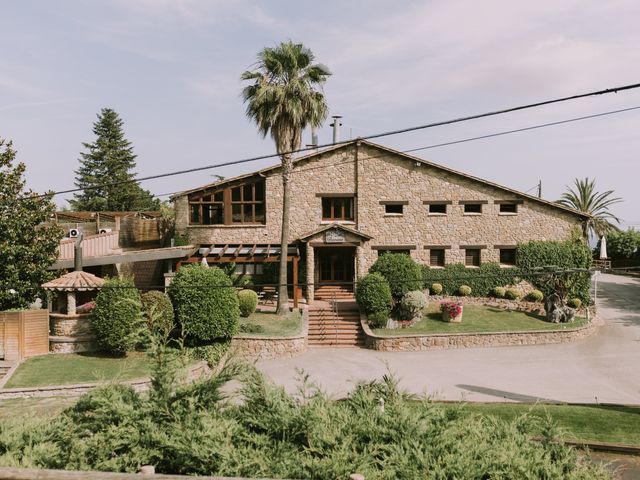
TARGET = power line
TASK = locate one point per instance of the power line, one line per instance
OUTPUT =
(368, 137)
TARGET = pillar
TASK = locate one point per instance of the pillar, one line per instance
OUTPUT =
(311, 266)
(71, 303)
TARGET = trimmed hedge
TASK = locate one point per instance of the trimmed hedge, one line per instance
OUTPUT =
(247, 301)
(117, 315)
(535, 296)
(373, 294)
(205, 302)
(464, 290)
(498, 292)
(436, 288)
(158, 311)
(403, 274)
(512, 294)
(481, 280)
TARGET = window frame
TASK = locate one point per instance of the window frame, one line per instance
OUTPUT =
(440, 251)
(223, 198)
(342, 206)
(502, 205)
(467, 256)
(472, 204)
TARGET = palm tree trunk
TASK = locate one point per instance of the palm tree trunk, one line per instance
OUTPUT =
(283, 294)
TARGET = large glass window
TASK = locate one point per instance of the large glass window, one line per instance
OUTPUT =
(241, 203)
(337, 208)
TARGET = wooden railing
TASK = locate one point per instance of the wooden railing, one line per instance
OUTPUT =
(602, 264)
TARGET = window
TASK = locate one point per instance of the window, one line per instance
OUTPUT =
(249, 269)
(436, 257)
(393, 209)
(472, 208)
(508, 256)
(472, 257)
(508, 208)
(438, 208)
(337, 208)
(234, 204)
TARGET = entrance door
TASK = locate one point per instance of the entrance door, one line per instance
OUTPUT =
(336, 265)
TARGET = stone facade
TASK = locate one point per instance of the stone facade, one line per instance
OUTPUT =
(374, 174)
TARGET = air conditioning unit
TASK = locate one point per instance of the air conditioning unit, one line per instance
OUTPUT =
(74, 232)
(105, 230)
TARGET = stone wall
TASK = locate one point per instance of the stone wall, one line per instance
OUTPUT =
(410, 343)
(265, 347)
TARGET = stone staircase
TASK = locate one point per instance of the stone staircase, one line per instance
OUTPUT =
(328, 293)
(335, 324)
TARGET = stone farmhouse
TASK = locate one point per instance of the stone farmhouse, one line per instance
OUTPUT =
(354, 201)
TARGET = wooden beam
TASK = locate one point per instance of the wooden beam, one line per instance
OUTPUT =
(253, 250)
(268, 248)
(237, 252)
(221, 252)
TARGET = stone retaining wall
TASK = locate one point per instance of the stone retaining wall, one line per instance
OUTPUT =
(409, 343)
(266, 347)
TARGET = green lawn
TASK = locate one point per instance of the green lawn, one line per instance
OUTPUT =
(270, 324)
(477, 318)
(598, 423)
(15, 408)
(70, 368)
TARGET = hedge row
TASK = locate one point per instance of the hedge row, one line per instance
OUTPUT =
(481, 280)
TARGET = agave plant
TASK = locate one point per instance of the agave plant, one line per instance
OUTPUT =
(584, 198)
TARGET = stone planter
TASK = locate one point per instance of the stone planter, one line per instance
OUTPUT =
(446, 317)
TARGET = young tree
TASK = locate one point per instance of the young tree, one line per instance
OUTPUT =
(27, 244)
(587, 200)
(285, 97)
(106, 171)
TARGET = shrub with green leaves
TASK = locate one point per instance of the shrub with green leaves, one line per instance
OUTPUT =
(436, 288)
(498, 292)
(117, 314)
(535, 296)
(205, 302)
(378, 319)
(401, 272)
(482, 280)
(373, 294)
(575, 303)
(512, 294)
(464, 290)
(158, 311)
(412, 304)
(248, 302)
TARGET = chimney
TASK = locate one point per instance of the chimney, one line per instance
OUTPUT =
(336, 128)
(77, 254)
(314, 139)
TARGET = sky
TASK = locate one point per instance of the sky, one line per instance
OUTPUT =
(171, 69)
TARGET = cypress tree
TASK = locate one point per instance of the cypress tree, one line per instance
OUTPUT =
(110, 159)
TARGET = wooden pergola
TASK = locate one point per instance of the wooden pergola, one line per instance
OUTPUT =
(248, 253)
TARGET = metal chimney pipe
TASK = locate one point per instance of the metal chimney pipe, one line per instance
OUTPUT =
(77, 254)
(314, 136)
(336, 128)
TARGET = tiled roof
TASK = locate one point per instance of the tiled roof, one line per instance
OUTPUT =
(75, 281)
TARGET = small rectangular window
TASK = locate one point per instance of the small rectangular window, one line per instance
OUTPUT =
(508, 208)
(393, 209)
(436, 257)
(508, 256)
(472, 208)
(472, 257)
(440, 208)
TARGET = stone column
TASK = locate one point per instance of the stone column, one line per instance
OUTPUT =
(311, 265)
(71, 303)
(360, 262)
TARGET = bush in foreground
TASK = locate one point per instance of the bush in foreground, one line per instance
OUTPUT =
(400, 271)
(205, 302)
(116, 316)
(248, 302)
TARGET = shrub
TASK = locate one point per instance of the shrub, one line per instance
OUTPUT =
(205, 303)
(575, 303)
(436, 288)
(412, 304)
(464, 290)
(373, 294)
(482, 280)
(498, 292)
(402, 273)
(378, 319)
(535, 296)
(158, 311)
(512, 294)
(248, 302)
(251, 328)
(116, 317)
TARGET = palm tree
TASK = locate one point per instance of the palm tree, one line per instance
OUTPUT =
(586, 200)
(285, 97)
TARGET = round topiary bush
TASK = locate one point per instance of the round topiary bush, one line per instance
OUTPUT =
(205, 303)
(401, 272)
(535, 296)
(373, 294)
(117, 315)
(436, 288)
(412, 304)
(464, 290)
(248, 302)
(157, 309)
(498, 292)
(512, 294)
(575, 303)
(378, 319)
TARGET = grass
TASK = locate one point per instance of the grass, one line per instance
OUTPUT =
(476, 319)
(15, 408)
(597, 423)
(273, 325)
(61, 369)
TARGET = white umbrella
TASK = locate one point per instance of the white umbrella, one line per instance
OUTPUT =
(603, 248)
(204, 262)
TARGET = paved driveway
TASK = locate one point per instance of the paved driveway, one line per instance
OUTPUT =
(602, 368)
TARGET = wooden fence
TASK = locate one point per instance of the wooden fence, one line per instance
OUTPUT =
(23, 334)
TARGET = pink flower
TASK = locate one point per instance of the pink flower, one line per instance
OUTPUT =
(452, 308)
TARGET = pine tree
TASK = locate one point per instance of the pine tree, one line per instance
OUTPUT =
(28, 244)
(109, 160)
